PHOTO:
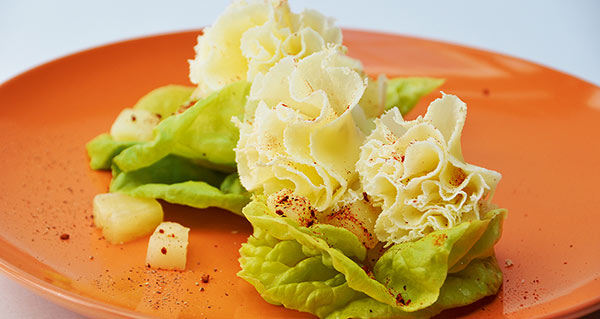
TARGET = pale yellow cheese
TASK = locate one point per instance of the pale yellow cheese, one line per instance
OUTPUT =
(303, 134)
(252, 36)
(416, 172)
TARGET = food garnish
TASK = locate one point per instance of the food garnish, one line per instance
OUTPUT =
(356, 211)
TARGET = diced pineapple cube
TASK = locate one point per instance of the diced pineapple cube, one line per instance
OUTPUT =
(124, 218)
(287, 204)
(134, 125)
(165, 100)
(359, 218)
(167, 248)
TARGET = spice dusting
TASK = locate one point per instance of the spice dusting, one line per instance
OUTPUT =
(205, 278)
(287, 204)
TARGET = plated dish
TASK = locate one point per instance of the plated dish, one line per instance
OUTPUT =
(80, 263)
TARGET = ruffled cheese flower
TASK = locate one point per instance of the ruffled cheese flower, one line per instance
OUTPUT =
(416, 172)
(303, 132)
(251, 36)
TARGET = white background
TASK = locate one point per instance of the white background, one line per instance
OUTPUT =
(564, 35)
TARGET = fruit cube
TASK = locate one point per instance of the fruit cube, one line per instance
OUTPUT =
(124, 218)
(167, 248)
(359, 218)
(134, 125)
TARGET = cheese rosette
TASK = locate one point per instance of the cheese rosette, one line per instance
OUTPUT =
(252, 36)
(304, 128)
(416, 172)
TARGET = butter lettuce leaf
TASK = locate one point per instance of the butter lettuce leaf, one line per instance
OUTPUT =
(158, 170)
(404, 93)
(164, 100)
(481, 278)
(178, 180)
(304, 269)
(102, 149)
(204, 133)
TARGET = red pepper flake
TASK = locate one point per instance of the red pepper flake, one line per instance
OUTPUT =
(205, 278)
(408, 302)
(486, 91)
(284, 199)
(133, 118)
(163, 250)
(365, 197)
(440, 239)
(65, 236)
(310, 86)
(184, 107)
(400, 300)
(279, 212)
(162, 231)
(458, 176)
(201, 288)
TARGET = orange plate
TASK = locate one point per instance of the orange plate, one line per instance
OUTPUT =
(537, 126)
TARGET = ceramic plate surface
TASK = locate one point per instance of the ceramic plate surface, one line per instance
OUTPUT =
(536, 126)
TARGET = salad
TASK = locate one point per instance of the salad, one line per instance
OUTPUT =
(356, 212)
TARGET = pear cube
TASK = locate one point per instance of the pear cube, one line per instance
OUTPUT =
(167, 248)
(134, 125)
(123, 218)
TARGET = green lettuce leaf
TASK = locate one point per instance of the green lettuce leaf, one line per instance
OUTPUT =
(165, 100)
(102, 149)
(404, 93)
(155, 171)
(481, 278)
(306, 269)
(178, 180)
(203, 133)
